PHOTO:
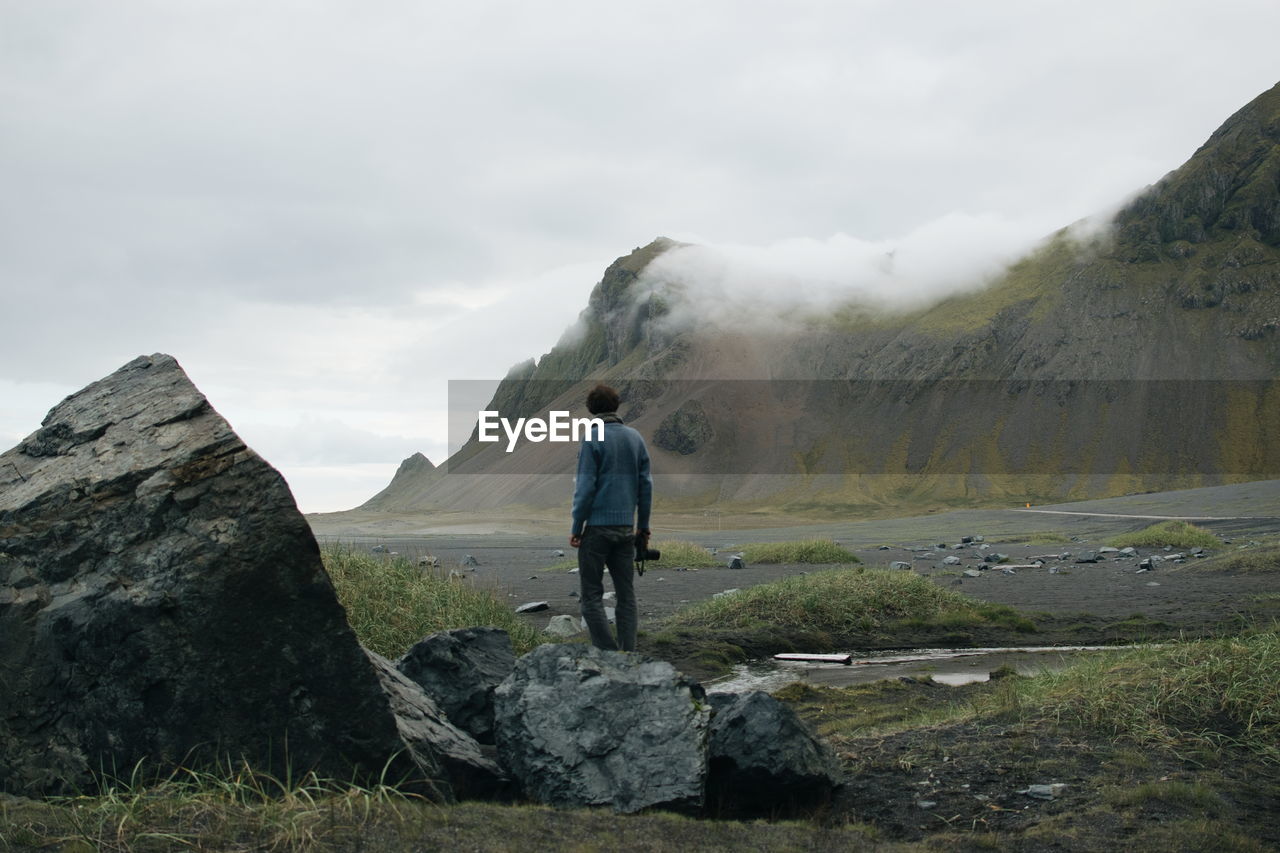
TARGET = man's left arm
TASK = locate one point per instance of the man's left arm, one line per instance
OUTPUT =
(644, 494)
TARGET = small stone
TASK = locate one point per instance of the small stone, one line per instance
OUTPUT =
(1087, 557)
(972, 573)
(563, 625)
(951, 561)
(1153, 583)
(610, 595)
(726, 592)
(736, 562)
(926, 804)
(1044, 792)
(533, 606)
(469, 560)
(899, 564)
(883, 548)
(966, 539)
(557, 553)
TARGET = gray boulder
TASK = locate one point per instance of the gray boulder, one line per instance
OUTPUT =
(736, 562)
(899, 565)
(563, 625)
(580, 726)
(951, 561)
(459, 670)
(1087, 557)
(162, 601)
(428, 735)
(764, 760)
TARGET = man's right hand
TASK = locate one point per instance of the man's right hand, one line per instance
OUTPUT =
(575, 541)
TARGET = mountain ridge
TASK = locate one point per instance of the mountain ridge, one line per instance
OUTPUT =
(1183, 284)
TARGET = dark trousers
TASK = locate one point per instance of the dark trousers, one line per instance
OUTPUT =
(615, 548)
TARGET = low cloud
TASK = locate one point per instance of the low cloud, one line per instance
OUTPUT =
(730, 283)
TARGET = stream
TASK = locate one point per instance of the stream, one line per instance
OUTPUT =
(946, 666)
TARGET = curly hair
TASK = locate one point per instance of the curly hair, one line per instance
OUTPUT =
(601, 399)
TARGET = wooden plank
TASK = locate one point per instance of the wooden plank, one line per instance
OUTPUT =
(816, 658)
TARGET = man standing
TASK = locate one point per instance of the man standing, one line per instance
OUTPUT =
(612, 495)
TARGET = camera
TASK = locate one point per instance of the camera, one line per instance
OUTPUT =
(644, 553)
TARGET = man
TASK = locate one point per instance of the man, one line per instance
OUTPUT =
(611, 501)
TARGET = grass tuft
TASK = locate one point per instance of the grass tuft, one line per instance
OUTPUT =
(1217, 691)
(1177, 534)
(814, 551)
(1251, 560)
(842, 601)
(392, 603)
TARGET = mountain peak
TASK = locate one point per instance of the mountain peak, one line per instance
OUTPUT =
(1227, 188)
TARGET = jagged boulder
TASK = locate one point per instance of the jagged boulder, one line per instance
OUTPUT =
(763, 759)
(459, 669)
(163, 601)
(429, 736)
(685, 430)
(580, 726)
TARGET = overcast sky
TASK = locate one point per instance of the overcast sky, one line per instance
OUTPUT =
(325, 210)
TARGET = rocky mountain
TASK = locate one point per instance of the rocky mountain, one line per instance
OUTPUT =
(1140, 355)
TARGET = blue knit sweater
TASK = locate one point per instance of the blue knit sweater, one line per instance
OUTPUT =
(613, 485)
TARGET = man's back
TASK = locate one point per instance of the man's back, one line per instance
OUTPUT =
(613, 484)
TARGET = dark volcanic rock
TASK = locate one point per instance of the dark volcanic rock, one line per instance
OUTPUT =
(685, 430)
(429, 736)
(163, 600)
(763, 759)
(459, 670)
(580, 726)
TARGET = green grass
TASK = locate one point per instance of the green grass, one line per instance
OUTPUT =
(1254, 560)
(232, 808)
(814, 551)
(1224, 690)
(392, 603)
(318, 819)
(843, 601)
(674, 553)
(1178, 534)
(686, 555)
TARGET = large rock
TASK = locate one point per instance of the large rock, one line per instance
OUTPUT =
(459, 669)
(763, 759)
(162, 601)
(429, 736)
(580, 726)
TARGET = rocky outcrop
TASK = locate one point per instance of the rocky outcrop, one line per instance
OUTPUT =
(763, 759)
(162, 601)
(459, 670)
(580, 726)
(685, 430)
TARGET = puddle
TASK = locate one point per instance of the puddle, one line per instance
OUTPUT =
(947, 666)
